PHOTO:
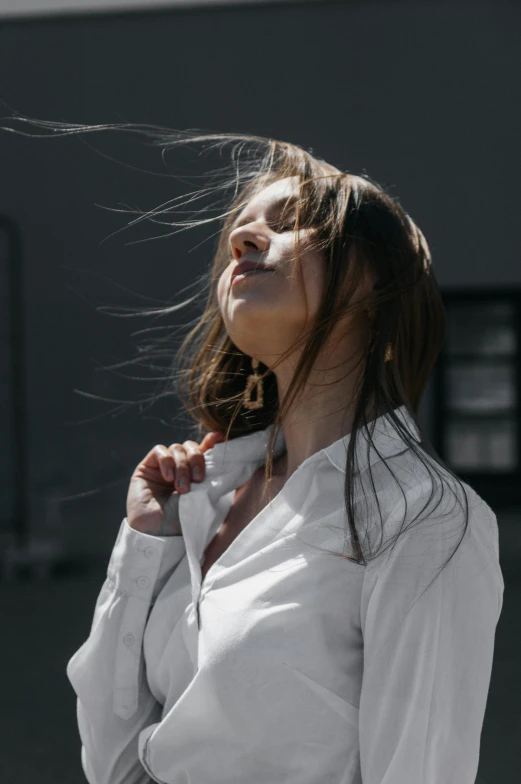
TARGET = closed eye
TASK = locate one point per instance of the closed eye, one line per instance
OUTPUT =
(288, 226)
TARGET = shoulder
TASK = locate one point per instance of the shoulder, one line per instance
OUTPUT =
(421, 504)
(445, 533)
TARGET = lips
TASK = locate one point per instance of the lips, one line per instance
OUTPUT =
(244, 266)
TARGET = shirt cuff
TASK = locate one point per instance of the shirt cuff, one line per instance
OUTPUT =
(140, 564)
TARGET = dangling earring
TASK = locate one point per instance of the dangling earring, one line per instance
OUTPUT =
(253, 380)
(388, 348)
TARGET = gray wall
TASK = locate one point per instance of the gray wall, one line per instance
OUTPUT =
(422, 97)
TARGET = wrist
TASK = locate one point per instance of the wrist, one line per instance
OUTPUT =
(164, 529)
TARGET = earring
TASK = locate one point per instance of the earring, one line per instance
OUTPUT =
(388, 348)
(253, 380)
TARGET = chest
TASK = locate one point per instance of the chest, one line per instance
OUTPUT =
(282, 604)
(248, 502)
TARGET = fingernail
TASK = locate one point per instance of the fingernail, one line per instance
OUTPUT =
(197, 473)
(169, 474)
(182, 481)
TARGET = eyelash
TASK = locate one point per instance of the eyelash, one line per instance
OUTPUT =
(290, 225)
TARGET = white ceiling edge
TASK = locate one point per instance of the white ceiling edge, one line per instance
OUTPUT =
(39, 8)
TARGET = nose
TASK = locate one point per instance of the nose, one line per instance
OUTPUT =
(247, 238)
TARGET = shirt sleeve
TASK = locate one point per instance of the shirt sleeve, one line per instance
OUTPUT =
(107, 672)
(428, 658)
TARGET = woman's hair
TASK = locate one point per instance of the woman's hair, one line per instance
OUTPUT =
(360, 228)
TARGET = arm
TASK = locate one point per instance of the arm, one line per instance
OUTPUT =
(107, 672)
(428, 659)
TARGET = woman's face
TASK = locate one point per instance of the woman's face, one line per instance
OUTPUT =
(265, 312)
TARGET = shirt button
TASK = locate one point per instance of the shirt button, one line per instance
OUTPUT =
(128, 639)
(150, 552)
(143, 581)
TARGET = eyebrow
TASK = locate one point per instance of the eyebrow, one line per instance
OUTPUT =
(273, 206)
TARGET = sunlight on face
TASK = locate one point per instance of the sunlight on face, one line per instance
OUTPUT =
(266, 312)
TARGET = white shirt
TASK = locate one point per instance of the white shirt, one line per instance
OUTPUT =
(306, 668)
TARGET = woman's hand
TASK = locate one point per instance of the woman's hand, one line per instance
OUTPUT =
(165, 472)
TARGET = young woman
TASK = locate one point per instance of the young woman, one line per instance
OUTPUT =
(322, 605)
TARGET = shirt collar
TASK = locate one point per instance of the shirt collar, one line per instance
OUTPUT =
(252, 447)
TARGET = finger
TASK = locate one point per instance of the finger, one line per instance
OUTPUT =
(211, 439)
(195, 460)
(181, 468)
(165, 460)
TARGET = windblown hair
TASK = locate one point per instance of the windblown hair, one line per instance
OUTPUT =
(360, 228)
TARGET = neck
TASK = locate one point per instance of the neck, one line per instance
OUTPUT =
(323, 411)
(310, 427)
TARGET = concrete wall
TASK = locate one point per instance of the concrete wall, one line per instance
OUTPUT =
(422, 97)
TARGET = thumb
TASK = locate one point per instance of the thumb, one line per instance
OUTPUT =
(211, 439)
